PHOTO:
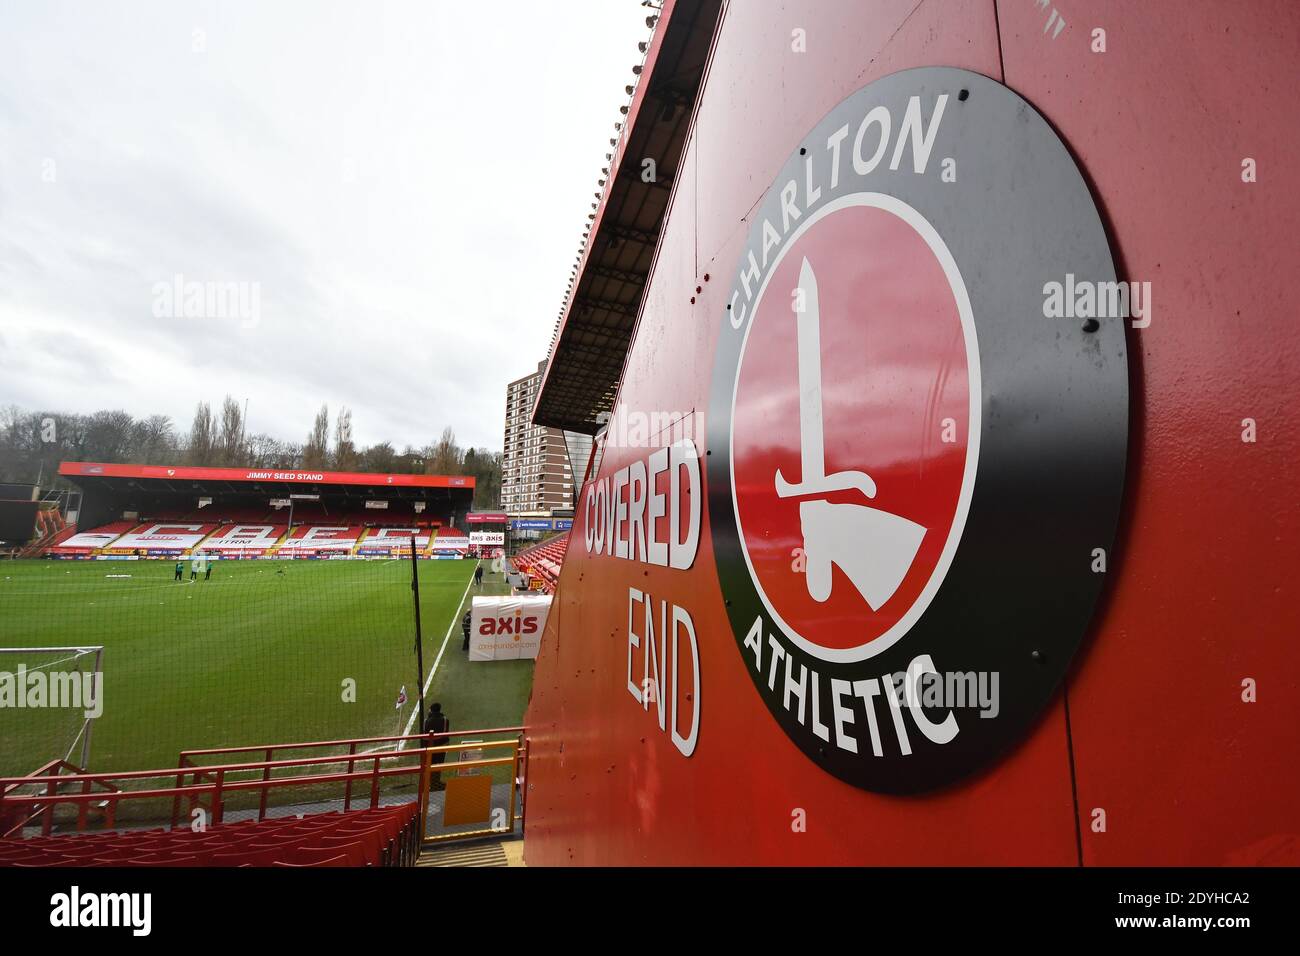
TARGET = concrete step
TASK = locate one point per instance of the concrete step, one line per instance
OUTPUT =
(494, 852)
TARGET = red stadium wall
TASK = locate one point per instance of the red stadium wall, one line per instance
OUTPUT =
(1200, 592)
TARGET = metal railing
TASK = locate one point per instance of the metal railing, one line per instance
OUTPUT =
(216, 783)
(54, 769)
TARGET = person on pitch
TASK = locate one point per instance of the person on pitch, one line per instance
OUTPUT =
(478, 576)
(180, 566)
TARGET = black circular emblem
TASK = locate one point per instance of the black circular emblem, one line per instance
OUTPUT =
(917, 430)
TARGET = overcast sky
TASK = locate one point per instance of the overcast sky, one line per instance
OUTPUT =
(403, 185)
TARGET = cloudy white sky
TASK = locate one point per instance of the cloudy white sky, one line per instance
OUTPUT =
(406, 182)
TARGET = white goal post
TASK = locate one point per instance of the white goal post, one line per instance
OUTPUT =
(22, 669)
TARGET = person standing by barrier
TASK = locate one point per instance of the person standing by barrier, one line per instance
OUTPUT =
(436, 723)
(465, 625)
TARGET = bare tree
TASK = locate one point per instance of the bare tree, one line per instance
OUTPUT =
(153, 439)
(445, 456)
(315, 454)
(345, 452)
(202, 435)
(411, 461)
(379, 458)
(267, 452)
(263, 451)
(32, 444)
(108, 435)
(229, 443)
(485, 466)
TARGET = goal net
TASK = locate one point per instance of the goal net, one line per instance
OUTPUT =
(49, 700)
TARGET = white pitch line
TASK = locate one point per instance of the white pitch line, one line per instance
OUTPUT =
(102, 585)
(454, 618)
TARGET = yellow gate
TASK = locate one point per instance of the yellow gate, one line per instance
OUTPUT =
(475, 795)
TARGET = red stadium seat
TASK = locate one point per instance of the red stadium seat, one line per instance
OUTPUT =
(544, 561)
(352, 838)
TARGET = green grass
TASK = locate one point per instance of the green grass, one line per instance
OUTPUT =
(480, 694)
(259, 654)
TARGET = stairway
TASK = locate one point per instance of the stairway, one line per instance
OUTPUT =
(493, 852)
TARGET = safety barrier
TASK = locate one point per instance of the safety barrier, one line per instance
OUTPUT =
(465, 799)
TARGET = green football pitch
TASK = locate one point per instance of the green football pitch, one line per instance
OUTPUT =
(261, 652)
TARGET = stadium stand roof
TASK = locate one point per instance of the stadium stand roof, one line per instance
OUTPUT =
(181, 478)
(595, 331)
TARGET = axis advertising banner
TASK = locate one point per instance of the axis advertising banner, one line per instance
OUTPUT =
(507, 628)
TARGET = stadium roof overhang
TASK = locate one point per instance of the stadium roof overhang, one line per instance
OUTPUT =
(272, 482)
(595, 329)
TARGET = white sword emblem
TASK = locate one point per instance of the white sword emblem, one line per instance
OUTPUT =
(873, 548)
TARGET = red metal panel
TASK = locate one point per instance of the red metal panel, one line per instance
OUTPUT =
(1203, 589)
(670, 372)
(608, 787)
(762, 95)
(1202, 578)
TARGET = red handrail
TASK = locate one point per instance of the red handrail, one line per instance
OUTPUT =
(349, 740)
(258, 784)
(187, 757)
(51, 782)
(219, 787)
(213, 779)
(226, 768)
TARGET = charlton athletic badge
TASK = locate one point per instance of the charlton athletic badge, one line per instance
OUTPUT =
(914, 473)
